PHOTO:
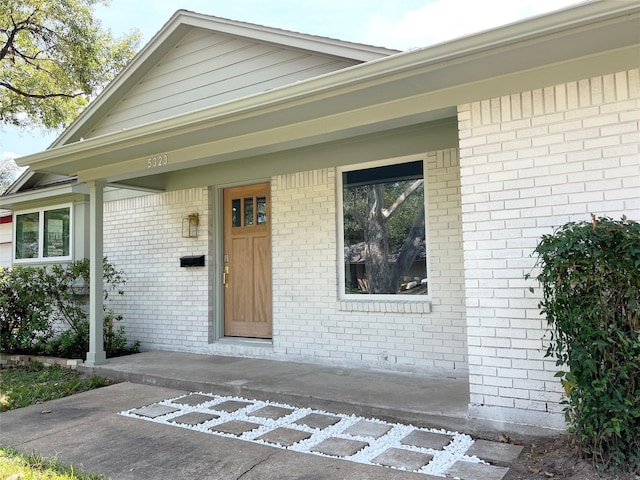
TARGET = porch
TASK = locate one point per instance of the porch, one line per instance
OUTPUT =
(433, 401)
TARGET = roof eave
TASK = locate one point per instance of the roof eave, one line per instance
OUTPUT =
(43, 195)
(458, 51)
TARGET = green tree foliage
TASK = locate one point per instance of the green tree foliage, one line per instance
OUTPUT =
(54, 57)
(9, 171)
(590, 276)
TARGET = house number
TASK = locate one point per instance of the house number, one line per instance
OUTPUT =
(158, 161)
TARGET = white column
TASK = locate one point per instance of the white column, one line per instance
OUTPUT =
(96, 355)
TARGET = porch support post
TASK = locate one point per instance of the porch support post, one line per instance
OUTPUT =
(96, 354)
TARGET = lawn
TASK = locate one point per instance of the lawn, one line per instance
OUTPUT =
(21, 387)
(14, 465)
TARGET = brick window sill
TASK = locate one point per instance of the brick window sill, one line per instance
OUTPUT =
(393, 306)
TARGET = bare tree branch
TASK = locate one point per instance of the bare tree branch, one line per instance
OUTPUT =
(35, 95)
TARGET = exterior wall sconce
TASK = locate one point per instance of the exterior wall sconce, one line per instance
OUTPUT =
(190, 226)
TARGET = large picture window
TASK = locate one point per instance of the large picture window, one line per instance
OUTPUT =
(384, 230)
(43, 235)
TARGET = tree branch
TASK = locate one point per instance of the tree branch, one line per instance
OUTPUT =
(387, 212)
(11, 36)
(33, 60)
(24, 25)
(35, 95)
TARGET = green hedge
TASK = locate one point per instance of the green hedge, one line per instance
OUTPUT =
(590, 276)
(34, 299)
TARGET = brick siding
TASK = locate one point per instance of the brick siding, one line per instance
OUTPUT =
(310, 320)
(531, 162)
(165, 306)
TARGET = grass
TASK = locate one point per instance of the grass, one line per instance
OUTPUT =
(21, 387)
(15, 465)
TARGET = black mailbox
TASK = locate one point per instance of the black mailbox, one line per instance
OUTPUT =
(192, 261)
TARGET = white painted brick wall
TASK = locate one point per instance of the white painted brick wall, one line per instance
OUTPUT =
(310, 322)
(164, 306)
(531, 162)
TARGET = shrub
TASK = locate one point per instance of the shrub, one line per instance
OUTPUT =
(40, 297)
(590, 276)
(25, 311)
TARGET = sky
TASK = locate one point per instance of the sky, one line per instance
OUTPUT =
(398, 24)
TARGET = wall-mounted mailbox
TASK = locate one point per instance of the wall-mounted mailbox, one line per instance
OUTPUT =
(192, 261)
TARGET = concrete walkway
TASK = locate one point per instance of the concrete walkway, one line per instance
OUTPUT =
(104, 430)
(87, 431)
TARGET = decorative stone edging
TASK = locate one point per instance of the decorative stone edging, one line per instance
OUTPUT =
(11, 360)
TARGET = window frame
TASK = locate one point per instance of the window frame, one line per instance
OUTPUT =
(393, 297)
(41, 228)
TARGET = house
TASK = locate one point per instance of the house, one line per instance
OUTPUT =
(219, 170)
(5, 238)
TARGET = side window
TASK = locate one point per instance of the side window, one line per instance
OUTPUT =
(384, 230)
(56, 233)
(27, 242)
(43, 235)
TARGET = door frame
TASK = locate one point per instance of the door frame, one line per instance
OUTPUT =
(248, 295)
(216, 254)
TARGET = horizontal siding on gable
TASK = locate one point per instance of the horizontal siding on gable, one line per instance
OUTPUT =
(206, 69)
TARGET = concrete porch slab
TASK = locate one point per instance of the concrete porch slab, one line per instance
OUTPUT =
(429, 400)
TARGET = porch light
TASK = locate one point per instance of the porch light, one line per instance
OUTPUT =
(190, 226)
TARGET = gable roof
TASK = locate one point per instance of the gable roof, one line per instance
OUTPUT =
(389, 92)
(178, 30)
(30, 180)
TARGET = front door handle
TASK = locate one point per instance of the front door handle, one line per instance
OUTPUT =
(225, 276)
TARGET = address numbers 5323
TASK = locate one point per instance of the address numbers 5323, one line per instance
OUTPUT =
(157, 161)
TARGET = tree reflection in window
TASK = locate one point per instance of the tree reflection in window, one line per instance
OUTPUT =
(384, 230)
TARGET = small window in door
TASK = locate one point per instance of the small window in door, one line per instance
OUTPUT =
(249, 211)
(262, 210)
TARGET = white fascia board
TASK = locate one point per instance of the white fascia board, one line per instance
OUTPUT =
(556, 26)
(313, 43)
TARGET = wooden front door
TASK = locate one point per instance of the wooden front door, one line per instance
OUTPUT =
(247, 261)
